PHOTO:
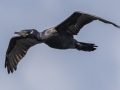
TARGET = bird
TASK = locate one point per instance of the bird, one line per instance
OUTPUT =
(60, 36)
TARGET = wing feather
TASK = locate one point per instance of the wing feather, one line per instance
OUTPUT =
(17, 49)
(77, 20)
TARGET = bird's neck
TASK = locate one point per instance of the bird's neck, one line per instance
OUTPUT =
(40, 37)
(37, 35)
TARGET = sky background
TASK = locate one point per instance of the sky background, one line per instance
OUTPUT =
(44, 68)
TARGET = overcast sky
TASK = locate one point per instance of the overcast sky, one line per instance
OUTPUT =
(44, 68)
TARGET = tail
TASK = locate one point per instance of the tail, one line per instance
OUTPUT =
(85, 46)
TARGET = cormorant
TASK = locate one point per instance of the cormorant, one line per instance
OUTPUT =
(59, 37)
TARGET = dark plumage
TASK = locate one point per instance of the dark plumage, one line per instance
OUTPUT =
(59, 37)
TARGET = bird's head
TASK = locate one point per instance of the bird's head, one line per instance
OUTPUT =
(27, 32)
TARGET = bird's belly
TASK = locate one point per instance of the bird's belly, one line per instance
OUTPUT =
(60, 43)
(57, 44)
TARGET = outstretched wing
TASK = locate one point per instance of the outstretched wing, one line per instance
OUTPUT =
(77, 20)
(17, 49)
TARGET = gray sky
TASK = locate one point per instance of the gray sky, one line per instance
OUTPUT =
(44, 68)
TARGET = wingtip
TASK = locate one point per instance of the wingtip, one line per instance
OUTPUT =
(9, 71)
(118, 26)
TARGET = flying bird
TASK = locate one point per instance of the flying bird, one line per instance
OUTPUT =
(59, 37)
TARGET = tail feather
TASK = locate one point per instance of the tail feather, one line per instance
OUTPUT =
(85, 46)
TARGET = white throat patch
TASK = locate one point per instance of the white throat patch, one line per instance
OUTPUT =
(31, 32)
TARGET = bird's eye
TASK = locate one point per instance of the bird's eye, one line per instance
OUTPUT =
(31, 32)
